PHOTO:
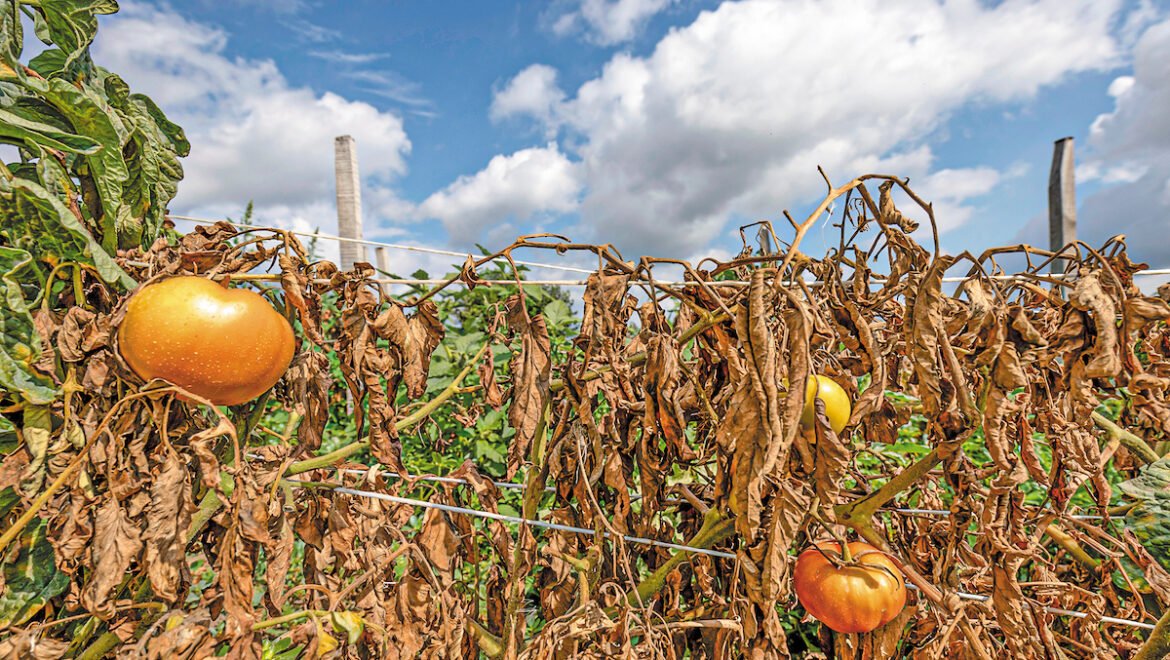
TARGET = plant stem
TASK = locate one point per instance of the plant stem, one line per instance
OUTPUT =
(336, 456)
(488, 643)
(287, 618)
(1157, 646)
(533, 492)
(101, 647)
(1071, 546)
(716, 527)
(1131, 442)
(860, 511)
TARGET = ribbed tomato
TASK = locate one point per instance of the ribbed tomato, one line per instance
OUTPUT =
(855, 598)
(226, 345)
(837, 405)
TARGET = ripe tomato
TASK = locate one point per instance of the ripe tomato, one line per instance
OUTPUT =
(226, 345)
(837, 406)
(850, 599)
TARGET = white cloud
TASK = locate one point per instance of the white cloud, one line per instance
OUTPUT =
(729, 116)
(1130, 147)
(511, 188)
(254, 136)
(342, 57)
(533, 92)
(609, 22)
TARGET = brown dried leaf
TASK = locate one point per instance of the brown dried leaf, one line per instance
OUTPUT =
(117, 543)
(531, 374)
(167, 519)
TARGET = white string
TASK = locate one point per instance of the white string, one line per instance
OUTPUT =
(393, 246)
(416, 248)
(944, 512)
(1056, 610)
(515, 519)
(644, 541)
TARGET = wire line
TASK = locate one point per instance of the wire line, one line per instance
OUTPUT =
(662, 544)
(520, 521)
(393, 246)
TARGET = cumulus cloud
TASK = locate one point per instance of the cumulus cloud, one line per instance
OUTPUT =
(511, 188)
(533, 92)
(254, 136)
(729, 116)
(609, 22)
(1130, 147)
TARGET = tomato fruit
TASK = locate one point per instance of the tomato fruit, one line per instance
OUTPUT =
(855, 598)
(226, 345)
(837, 406)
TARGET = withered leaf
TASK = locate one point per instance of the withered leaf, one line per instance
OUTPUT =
(531, 374)
(117, 542)
(167, 519)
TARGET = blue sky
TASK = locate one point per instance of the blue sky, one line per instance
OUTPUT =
(659, 126)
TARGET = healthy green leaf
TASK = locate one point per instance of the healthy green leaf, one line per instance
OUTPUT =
(20, 347)
(31, 580)
(1150, 519)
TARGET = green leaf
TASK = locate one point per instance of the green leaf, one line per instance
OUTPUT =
(32, 580)
(19, 344)
(91, 116)
(9, 498)
(40, 223)
(18, 126)
(558, 313)
(11, 32)
(1150, 519)
(72, 24)
(8, 438)
(48, 63)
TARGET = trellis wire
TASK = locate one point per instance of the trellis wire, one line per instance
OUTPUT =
(517, 520)
(662, 544)
(508, 485)
(393, 246)
(565, 282)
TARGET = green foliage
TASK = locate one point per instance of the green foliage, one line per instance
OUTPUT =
(97, 167)
(31, 579)
(20, 347)
(1150, 518)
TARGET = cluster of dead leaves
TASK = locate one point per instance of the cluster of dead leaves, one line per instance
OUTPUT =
(182, 529)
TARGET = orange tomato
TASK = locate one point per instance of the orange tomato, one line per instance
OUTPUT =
(226, 345)
(837, 405)
(850, 599)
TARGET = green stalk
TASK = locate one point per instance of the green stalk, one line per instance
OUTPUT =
(1157, 647)
(716, 527)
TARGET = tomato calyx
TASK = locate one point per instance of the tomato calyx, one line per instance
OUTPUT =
(845, 558)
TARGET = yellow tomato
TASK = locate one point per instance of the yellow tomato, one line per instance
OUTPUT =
(837, 406)
(226, 345)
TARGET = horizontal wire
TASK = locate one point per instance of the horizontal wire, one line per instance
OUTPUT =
(416, 248)
(662, 544)
(393, 246)
(508, 485)
(1055, 610)
(944, 512)
(520, 521)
